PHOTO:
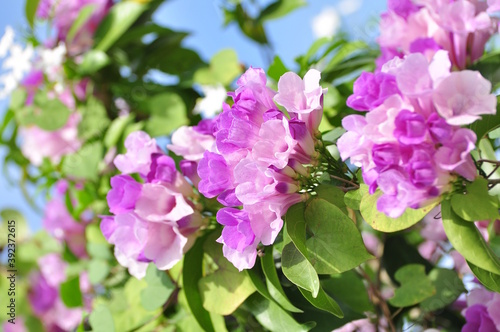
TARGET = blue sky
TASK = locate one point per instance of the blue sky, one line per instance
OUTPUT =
(290, 36)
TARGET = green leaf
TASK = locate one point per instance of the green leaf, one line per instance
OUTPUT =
(448, 288)
(70, 293)
(343, 52)
(466, 239)
(83, 164)
(17, 99)
(415, 286)
(353, 198)
(226, 289)
(47, 114)
(272, 316)
(191, 274)
(30, 10)
(331, 194)
(93, 61)
(159, 289)
(13, 222)
(279, 9)
(476, 204)
(276, 69)
(333, 135)
(258, 283)
(115, 130)
(335, 244)
(83, 16)
(381, 222)
(295, 265)
(323, 301)
(489, 279)
(168, 112)
(121, 16)
(94, 120)
(349, 289)
(223, 69)
(273, 282)
(295, 224)
(98, 270)
(101, 320)
(487, 123)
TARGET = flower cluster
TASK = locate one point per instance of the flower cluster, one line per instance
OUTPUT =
(155, 221)
(460, 27)
(44, 296)
(259, 159)
(410, 144)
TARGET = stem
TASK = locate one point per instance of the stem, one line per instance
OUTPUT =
(345, 180)
(383, 305)
(493, 182)
(496, 162)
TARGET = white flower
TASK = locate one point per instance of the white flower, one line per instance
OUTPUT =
(211, 104)
(15, 66)
(51, 61)
(6, 41)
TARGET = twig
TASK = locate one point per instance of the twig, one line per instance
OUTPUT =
(493, 171)
(383, 305)
(345, 181)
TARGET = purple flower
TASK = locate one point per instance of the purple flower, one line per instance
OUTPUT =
(371, 90)
(123, 194)
(410, 127)
(162, 169)
(478, 319)
(41, 295)
(482, 312)
(215, 175)
(399, 193)
(455, 154)
(385, 155)
(421, 170)
(238, 238)
(439, 129)
(190, 170)
(402, 7)
(424, 45)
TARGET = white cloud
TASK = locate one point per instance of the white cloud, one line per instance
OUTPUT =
(347, 7)
(327, 23)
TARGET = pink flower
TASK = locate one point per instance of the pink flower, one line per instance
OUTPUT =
(60, 224)
(455, 154)
(56, 144)
(139, 147)
(190, 144)
(302, 97)
(161, 203)
(463, 96)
